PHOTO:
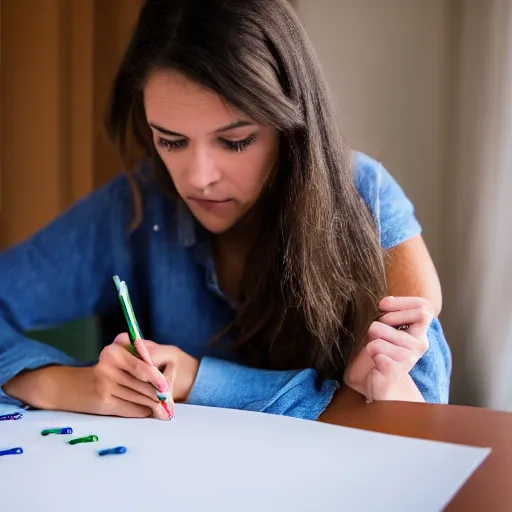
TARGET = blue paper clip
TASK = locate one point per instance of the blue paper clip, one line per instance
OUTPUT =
(11, 451)
(112, 451)
(12, 416)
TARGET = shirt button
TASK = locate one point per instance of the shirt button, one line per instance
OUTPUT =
(156, 227)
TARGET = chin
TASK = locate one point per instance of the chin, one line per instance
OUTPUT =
(216, 226)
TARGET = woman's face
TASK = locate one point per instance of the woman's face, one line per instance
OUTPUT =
(218, 158)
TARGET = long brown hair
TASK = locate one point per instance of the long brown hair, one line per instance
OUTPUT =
(313, 280)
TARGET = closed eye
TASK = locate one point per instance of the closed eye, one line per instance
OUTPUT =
(170, 145)
(231, 145)
(238, 145)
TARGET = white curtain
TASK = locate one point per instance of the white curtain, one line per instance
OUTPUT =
(476, 270)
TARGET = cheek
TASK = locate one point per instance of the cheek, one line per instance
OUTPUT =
(251, 173)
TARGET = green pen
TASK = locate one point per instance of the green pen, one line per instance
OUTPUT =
(136, 334)
(131, 320)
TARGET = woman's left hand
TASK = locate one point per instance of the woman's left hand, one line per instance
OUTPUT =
(381, 369)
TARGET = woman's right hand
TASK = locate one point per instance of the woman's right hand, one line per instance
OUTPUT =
(127, 385)
(120, 384)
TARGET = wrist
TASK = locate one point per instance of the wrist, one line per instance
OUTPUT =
(406, 391)
(69, 388)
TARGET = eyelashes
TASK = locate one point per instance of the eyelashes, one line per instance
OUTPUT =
(170, 145)
(236, 146)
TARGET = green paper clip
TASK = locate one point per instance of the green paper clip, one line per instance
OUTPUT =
(65, 430)
(87, 439)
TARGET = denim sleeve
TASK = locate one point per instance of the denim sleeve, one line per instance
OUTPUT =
(57, 275)
(391, 208)
(431, 374)
(295, 393)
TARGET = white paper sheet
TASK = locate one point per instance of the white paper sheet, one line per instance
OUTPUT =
(223, 460)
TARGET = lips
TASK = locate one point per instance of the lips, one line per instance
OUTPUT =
(214, 201)
(215, 206)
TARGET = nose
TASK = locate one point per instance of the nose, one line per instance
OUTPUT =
(202, 171)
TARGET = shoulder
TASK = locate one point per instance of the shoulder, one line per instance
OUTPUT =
(391, 208)
(367, 176)
(122, 196)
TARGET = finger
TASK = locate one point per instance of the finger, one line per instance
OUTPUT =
(122, 339)
(395, 352)
(406, 316)
(130, 395)
(169, 374)
(405, 339)
(159, 354)
(388, 368)
(418, 320)
(382, 378)
(117, 356)
(127, 409)
(389, 304)
(163, 412)
(129, 381)
(166, 406)
(379, 385)
(143, 352)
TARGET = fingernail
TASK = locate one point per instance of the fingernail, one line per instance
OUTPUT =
(166, 410)
(161, 413)
(163, 385)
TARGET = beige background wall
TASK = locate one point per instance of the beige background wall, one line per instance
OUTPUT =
(388, 63)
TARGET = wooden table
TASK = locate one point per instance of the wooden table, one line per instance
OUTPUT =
(489, 489)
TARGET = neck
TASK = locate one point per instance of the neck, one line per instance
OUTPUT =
(240, 237)
(230, 252)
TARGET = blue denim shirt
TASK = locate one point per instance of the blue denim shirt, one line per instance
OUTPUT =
(64, 272)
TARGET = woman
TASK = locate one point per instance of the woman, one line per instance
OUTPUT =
(259, 252)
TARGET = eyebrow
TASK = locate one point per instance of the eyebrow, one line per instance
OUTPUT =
(232, 126)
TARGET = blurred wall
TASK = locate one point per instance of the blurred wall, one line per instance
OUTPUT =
(389, 66)
(57, 60)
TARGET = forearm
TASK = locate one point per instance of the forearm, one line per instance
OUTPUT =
(32, 388)
(53, 388)
(292, 393)
(19, 354)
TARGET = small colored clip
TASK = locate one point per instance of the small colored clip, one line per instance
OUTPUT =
(87, 439)
(12, 416)
(112, 451)
(11, 451)
(65, 430)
